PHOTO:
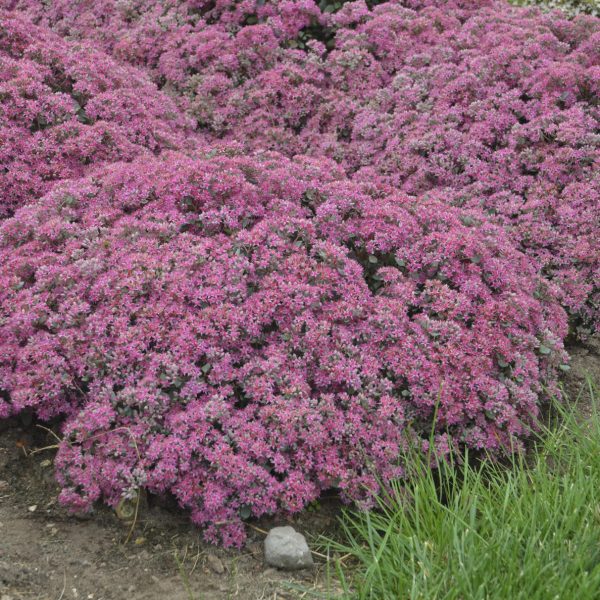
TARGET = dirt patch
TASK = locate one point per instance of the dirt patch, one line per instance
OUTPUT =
(46, 554)
(585, 366)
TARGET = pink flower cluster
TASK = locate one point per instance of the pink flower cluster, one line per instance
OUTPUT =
(252, 248)
(66, 108)
(246, 332)
(480, 103)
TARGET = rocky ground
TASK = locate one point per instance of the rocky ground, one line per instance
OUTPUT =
(45, 554)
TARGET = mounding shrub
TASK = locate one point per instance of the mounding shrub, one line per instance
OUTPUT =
(245, 331)
(373, 234)
(66, 108)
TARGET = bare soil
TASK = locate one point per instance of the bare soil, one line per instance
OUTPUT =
(585, 364)
(47, 554)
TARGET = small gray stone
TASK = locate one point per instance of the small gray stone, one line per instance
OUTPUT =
(215, 563)
(285, 548)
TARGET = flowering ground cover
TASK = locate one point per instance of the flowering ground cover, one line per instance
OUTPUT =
(487, 107)
(250, 250)
(67, 108)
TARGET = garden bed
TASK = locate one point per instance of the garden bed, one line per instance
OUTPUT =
(47, 550)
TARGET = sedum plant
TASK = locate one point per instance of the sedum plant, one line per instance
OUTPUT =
(245, 332)
(249, 249)
(67, 108)
(476, 102)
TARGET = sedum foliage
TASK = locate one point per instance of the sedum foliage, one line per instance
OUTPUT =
(250, 248)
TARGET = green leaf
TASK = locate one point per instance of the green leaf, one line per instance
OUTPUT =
(69, 200)
(245, 512)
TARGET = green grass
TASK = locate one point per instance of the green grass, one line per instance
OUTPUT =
(529, 530)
